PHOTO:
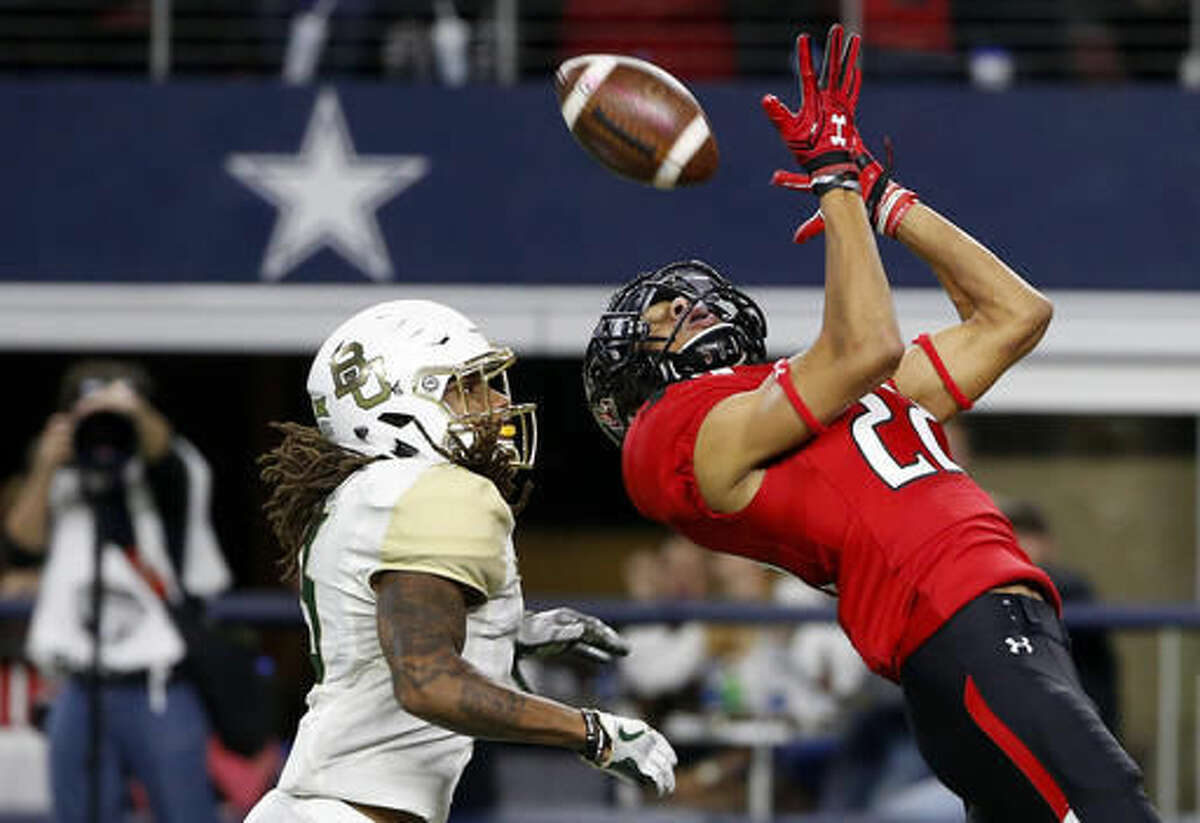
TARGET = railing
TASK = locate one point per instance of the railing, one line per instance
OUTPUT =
(507, 40)
(280, 609)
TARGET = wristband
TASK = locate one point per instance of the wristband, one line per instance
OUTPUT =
(897, 200)
(782, 370)
(887, 201)
(961, 400)
(594, 742)
(832, 170)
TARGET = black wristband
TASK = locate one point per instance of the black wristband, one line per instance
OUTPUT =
(842, 180)
(594, 742)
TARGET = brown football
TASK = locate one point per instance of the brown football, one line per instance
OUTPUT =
(636, 119)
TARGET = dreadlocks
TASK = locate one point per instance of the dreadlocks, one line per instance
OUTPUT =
(301, 472)
(485, 455)
(303, 469)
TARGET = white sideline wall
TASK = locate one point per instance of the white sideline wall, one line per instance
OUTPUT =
(1106, 352)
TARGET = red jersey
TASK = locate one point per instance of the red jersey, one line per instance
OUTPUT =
(873, 508)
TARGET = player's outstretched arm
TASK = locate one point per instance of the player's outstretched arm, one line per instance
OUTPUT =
(421, 621)
(859, 345)
(1003, 317)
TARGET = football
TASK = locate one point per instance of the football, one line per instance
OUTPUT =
(636, 119)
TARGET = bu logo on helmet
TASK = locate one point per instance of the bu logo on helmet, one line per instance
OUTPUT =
(352, 373)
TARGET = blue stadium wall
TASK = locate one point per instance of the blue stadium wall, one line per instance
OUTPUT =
(126, 183)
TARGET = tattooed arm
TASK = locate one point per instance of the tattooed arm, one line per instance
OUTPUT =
(421, 620)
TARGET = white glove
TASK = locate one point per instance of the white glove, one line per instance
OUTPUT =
(566, 631)
(631, 750)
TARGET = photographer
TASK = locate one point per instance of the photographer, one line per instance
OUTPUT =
(109, 478)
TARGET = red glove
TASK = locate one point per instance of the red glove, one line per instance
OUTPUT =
(887, 201)
(821, 133)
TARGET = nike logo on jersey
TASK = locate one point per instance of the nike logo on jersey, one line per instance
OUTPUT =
(628, 736)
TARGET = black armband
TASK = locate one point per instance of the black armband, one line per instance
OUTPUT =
(596, 742)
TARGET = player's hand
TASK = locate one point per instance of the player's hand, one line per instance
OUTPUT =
(886, 200)
(821, 133)
(565, 631)
(632, 750)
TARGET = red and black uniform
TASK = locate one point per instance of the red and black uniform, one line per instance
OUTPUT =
(874, 509)
(872, 506)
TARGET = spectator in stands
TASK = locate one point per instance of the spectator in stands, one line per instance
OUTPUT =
(688, 671)
(802, 676)
(1091, 649)
(109, 475)
(664, 668)
(910, 39)
(23, 779)
(802, 673)
(1077, 40)
(19, 570)
(690, 38)
(761, 28)
(1140, 40)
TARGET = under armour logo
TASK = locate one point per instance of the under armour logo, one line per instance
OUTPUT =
(1019, 644)
(838, 120)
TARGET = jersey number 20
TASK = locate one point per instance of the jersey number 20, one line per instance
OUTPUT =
(881, 461)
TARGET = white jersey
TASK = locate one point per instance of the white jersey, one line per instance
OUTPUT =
(355, 742)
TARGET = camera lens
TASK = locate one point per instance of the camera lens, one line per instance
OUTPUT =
(104, 440)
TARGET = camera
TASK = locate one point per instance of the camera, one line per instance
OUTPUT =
(104, 441)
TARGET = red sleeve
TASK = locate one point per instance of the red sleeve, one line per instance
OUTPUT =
(961, 400)
(656, 457)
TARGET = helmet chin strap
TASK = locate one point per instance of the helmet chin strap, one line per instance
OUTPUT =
(713, 348)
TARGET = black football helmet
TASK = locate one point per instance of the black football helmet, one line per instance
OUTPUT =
(620, 372)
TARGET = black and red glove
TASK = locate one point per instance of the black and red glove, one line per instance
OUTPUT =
(821, 134)
(887, 201)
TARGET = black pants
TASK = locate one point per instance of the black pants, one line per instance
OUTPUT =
(1001, 718)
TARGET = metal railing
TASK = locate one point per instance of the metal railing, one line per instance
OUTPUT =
(1169, 621)
(508, 40)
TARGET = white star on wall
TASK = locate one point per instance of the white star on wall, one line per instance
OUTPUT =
(327, 194)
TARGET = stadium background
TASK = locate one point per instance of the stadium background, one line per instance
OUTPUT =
(124, 232)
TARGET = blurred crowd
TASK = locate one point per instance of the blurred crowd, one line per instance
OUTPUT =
(452, 42)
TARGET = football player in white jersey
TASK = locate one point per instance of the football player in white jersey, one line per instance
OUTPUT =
(397, 518)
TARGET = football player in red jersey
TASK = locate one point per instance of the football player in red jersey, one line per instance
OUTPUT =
(832, 464)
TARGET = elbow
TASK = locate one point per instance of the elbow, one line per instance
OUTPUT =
(1040, 316)
(865, 360)
(422, 702)
(1029, 325)
(876, 360)
(888, 358)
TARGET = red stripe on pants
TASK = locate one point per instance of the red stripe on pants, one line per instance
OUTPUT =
(1017, 752)
(5, 670)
